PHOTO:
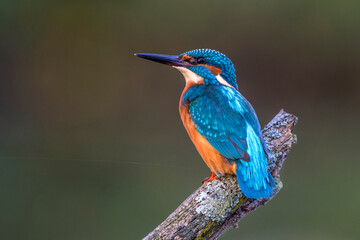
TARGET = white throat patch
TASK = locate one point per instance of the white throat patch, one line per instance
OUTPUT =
(190, 76)
(222, 81)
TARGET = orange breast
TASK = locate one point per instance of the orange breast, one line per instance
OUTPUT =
(213, 159)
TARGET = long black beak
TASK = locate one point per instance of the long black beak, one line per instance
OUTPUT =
(170, 60)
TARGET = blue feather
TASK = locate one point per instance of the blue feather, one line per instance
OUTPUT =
(229, 123)
(216, 59)
(254, 179)
(223, 116)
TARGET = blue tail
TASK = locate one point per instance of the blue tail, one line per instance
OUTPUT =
(253, 177)
(254, 183)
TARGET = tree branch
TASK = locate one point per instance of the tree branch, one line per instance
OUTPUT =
(219, 205)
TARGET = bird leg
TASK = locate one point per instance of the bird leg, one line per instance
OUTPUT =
(212, 177)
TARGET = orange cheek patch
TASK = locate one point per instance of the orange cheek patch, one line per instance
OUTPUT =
(186, 57)
(213, 70)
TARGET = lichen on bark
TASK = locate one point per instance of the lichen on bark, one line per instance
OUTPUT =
(219, 205)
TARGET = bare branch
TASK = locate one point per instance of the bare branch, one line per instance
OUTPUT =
(219, 205)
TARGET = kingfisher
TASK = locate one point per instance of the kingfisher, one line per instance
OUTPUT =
(221, 123)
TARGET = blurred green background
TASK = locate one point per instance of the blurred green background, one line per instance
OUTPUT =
(92, 146)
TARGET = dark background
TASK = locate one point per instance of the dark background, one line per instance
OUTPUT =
(92, 146)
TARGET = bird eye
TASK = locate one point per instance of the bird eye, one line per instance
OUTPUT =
(201, 60)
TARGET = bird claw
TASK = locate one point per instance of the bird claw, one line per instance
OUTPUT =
(212, 177)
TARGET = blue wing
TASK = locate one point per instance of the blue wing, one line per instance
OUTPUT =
(228, 121)
(221, 114)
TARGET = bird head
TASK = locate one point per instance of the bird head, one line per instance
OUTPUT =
(201, 66)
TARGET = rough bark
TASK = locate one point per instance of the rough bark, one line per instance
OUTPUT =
(219, 205)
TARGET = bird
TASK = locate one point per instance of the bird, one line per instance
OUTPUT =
(221, 123)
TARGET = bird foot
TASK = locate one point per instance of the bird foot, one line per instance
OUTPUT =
(212, 177)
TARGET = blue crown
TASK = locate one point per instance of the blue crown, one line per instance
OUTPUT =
(216, 59)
